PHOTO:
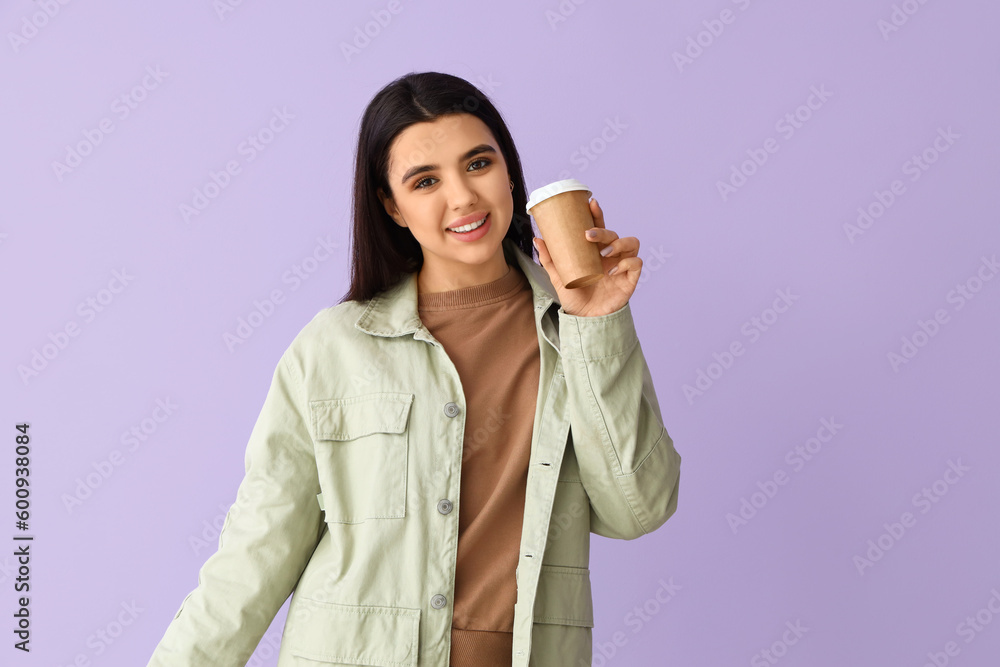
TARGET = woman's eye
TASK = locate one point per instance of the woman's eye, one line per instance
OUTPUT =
(419, 185)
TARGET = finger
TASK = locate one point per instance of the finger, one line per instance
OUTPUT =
(597, 212)
(623, 247)
(546, 261)
(600, 235)
(628, 267)
(539, 246)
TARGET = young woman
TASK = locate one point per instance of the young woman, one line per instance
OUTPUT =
(435, 450)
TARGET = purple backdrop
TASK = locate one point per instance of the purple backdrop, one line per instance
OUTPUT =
(814, 188)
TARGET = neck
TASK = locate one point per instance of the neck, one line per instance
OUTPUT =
(434, 280)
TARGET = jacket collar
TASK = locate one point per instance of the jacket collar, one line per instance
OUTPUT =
(393, 312)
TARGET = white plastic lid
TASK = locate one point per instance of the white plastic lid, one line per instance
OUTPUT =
(553, 189)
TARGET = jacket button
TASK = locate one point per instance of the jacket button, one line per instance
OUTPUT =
(439, 601)
(451, 409)
(444, 506)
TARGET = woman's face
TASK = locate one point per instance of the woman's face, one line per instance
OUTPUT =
(446, 172)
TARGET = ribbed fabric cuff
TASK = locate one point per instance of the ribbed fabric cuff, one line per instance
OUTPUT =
(481, 648)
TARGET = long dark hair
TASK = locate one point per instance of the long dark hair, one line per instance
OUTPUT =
(382, 252)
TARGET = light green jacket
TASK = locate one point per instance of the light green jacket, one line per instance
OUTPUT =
(351, 492)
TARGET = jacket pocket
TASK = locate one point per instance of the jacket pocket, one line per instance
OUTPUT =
(361, 455)
(355, 634)
(564, 596)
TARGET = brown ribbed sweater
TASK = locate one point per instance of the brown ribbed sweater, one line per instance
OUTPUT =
(489, 334)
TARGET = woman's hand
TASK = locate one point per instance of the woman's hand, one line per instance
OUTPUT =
(621, 266)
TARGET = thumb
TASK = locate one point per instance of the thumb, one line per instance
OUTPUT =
(546, 261)
(538, 243)
(543, 253)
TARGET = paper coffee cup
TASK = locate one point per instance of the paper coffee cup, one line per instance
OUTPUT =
(562, 212)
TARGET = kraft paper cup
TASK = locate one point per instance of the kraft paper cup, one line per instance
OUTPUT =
(562, 212)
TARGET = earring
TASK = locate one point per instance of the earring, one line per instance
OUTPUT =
(512, 186)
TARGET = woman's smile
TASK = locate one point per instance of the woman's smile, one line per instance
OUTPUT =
(474, 231)
(471, 219)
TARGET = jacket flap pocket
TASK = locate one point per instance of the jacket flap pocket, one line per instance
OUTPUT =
(564, 596)
(357, 634)
(356, 416)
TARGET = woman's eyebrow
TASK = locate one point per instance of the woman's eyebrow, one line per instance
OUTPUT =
(413, 171)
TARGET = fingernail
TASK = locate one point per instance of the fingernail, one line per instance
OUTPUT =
(591, 233)
(614, 269)
(607, 251)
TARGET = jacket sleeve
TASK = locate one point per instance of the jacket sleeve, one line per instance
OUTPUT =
(268, 536)
(628, 464)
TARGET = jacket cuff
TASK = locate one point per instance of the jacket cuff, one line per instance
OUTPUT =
(587, 338)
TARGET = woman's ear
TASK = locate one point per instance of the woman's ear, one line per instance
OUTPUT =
(390, 208)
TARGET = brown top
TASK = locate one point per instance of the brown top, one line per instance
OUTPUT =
(489, 334)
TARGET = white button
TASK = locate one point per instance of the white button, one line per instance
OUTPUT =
(439, 601)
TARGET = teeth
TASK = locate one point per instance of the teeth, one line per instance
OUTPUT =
(469, 227)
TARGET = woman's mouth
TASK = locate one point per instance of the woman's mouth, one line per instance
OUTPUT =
(474, 231)
(465, 229)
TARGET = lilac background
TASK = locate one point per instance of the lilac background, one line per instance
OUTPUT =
(711, 264)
